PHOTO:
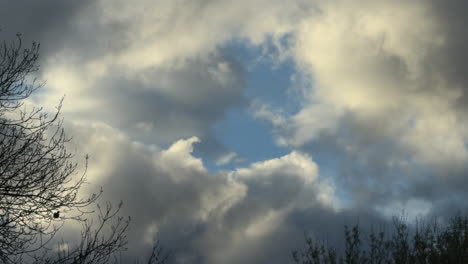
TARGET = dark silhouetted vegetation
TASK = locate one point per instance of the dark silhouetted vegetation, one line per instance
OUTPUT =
(429, 242)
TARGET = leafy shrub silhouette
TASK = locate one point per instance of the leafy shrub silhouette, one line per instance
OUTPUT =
(431, 242)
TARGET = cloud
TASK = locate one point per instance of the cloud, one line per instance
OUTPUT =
(306, 125)
(366, 61)
(149, 68)
(228, 158)
(381, 109)
(384, 104)
(204, 217)
(172, 102)
(48, 22)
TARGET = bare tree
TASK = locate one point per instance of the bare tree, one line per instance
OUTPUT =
(39, 183)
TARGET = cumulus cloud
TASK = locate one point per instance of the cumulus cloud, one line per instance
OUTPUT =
(206, 217)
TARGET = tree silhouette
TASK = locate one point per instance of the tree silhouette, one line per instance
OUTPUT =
(39, 182)
(431, 242)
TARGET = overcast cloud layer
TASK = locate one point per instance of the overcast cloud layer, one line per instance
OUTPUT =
(381, 89)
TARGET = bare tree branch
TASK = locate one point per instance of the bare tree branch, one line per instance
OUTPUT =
(39, 182)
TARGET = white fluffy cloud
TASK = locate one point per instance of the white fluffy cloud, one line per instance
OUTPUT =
(366, 60)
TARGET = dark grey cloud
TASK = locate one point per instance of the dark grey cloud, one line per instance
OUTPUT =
(164, 104)
(374, 171)
(451, 61)
(52, 23)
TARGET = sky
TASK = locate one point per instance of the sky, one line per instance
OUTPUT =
(232, 128)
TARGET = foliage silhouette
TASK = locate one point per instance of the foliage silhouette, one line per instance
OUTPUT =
(431, 242)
